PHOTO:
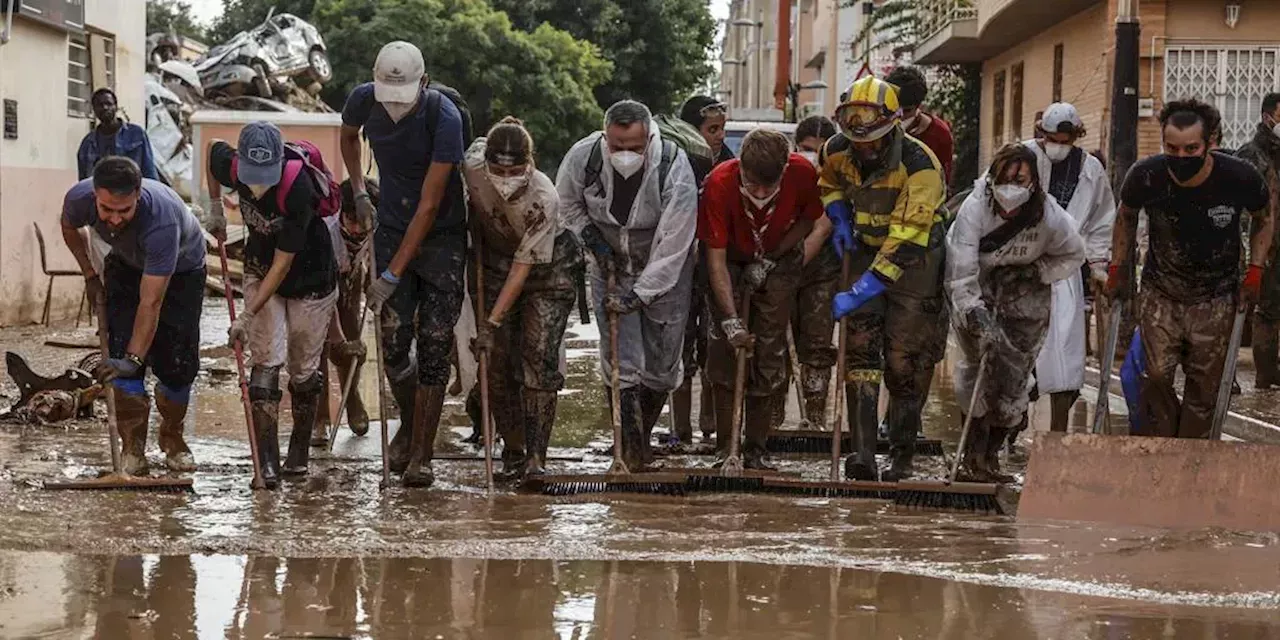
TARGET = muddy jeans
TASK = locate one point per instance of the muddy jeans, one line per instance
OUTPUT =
(1021, 306)
(812, 324)
(694, 351)
(289, 331)
(418, 319)
(175, 352)
(771, 306)
(650, 340)
(1195, 337)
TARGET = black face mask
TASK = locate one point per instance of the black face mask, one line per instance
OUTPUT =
(1184, 169)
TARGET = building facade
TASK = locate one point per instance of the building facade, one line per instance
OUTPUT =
(57, 53)
(1034, 53)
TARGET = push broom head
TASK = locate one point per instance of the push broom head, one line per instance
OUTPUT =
(663, 484)
(121, 482)
(956, 496)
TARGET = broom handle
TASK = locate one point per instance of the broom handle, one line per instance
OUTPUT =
(740, 381)
(846, 274)
(113, 432)
(795, 374)
(968, 419)
(382, 383)
(1228, 374)
(615, 391)
(349, 383)
(1102, 407)
(483, 368)
(244, 384)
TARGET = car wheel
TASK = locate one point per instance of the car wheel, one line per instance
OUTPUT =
(320, 68)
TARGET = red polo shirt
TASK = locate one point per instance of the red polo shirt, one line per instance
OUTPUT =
(722, 210)
(938, 138)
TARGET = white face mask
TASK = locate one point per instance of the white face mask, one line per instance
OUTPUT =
(627, 163)
(398, 110)
(759, 203)
(507, 186)
(1011, 196)
(811, 157)
(259, 190)
(1057, 151)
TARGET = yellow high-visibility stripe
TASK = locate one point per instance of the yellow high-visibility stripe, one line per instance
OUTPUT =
(914, 235)
(864, 375)
(887, 269)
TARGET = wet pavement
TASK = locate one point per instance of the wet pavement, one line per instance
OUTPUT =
(332, 556)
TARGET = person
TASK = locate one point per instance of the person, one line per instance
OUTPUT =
(1009, 243)
(152, 286)
(1263, 152)
(708, 115)
(753, 219)
(888, 186)
(529, 264)
(112, 136)
(631, 199)
(420, 241)
(1079, 184)
(811, 322)
(1195, 201)
(926, 127)
(290, 287)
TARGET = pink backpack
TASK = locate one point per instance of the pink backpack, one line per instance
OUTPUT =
(300, 155)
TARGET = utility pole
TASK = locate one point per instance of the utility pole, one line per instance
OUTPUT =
(1124, 94)
(782, 69)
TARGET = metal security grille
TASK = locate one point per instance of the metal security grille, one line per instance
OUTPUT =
(1234, 79)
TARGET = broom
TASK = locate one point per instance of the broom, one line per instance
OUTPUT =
(949, 494)
(618, 479)
(1228, 374)
(486, 420)
(1102, 406)
(117, 479)
(349, 383)
(244, 384)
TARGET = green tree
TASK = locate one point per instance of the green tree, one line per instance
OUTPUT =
(175, 15)
(660, 49)
(545, 77)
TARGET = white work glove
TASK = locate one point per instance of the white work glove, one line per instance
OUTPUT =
(735, 331)
(380, 290)
(754, 275)
(239, 330)
(217, 221)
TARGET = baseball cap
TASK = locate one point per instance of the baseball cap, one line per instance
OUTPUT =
(260, 154)
(397, 73)
(696, 109)
(1061, 117)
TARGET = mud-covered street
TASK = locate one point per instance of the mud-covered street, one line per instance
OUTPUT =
(332, 556)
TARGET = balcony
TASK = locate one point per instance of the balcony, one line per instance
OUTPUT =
(964, 31)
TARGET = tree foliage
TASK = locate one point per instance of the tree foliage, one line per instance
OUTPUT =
(175, 15)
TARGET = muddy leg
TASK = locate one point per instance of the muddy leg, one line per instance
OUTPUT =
(707, 410)
(539, 415)
(324, 419)
(758, 419)
(1060, 403)
(264, 392)
(633, 444)
(862, 399)
(133, 411)
(682, 410)
(304, 400)
(172, 405)
(651, 403)
(404, 392)
(428, 403)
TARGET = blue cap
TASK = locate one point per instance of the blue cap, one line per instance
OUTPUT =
(261, 154)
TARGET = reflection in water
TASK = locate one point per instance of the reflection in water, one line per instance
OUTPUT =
(179, 597)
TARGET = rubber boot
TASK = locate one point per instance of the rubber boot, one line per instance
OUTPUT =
(428, 403)
(132, 414)
(634, 448)
(1060, 403)
(707, 411)
(405, 393)
(475, 415)
(266, 413)
(682, 411)
(995, 441)
(357, 415)
(778, 407)
(512, 432)
(723, 411)
(173, 416)
(862, 400)
(538, 416)
(904, 425)
(761, 411)
(304, 399)
(815, 382)
(651, 403)
(973, 461)
(1266, 349)
(324, 418)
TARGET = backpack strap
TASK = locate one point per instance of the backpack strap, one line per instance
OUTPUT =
(433, 112)
(669, 154)
(595, 164)
(292, 168)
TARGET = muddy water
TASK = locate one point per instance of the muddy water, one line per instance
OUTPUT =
(50, 595)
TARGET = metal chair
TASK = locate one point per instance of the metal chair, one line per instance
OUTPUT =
(55, 273)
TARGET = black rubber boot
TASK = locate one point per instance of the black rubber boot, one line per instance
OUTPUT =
(759, 418)
(1266, 352)
(539, 416)
(682, 411)
(405, 393)
(996, 440)
(973, 461)
(707, 410)
(634, 447)
(429, 402)
(815, 382)
(904, 425)
(266, 413)
(862, 399)
(651, 403)
(722, 409)
(304, 399)
(1060, 403)
(324, 418)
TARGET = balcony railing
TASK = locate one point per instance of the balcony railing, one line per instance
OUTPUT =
(935, 15)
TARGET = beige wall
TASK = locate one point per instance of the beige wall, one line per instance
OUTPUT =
(1085, 82)
(38, 167)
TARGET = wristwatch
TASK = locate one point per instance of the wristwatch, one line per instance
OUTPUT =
(134, 359)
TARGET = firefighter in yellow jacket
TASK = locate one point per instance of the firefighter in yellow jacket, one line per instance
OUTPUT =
(883, 191)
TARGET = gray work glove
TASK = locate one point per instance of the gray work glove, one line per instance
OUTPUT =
(239, 330)
(735, 331)
(350, 350)
(216, 224)
(364, 211)
(756, 273)
(624, 303)
(380, 290)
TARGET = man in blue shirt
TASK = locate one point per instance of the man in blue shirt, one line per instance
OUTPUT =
(154, 292)
(420, 242)
(114, 137)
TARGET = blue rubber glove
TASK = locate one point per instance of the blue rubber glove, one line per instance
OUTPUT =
(842, 236)
(863, 291)
(113, 368)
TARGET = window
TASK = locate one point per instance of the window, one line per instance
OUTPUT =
(998, 109)
(1057, 73)
(102, 52)
(79, 87)
(1015, 90)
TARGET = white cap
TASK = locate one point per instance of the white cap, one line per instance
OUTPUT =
(397, 73)
(1061, 117)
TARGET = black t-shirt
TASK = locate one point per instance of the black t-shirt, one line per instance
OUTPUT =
(1195, 244)
(314, 272)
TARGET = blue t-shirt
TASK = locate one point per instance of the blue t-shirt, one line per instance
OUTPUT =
(162, 239)
(405, 150)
